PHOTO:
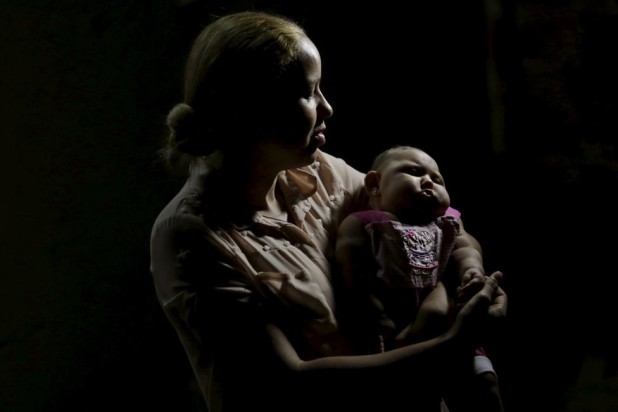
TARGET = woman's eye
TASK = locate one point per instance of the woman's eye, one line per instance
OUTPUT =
(310, 93)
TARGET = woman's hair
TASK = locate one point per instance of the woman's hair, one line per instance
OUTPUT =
(235, 63)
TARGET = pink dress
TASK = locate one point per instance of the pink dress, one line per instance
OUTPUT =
(410, 259)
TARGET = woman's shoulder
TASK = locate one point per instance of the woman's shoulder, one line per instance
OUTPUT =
(338, 165)
(338, 172)
(194, 198)
(185, 209)
(179, 215)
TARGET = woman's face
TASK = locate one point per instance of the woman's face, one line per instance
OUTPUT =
(294, 122)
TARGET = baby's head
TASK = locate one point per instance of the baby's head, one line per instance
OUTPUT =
(406, 182)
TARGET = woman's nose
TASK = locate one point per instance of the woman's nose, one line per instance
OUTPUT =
(325, 110)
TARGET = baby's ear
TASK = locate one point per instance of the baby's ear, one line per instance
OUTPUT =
(372, 183)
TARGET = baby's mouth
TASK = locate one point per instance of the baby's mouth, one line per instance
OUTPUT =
(426, 193)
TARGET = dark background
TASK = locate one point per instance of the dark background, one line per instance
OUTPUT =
(517, 100)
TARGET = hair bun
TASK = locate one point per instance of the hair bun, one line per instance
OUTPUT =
(180, 118)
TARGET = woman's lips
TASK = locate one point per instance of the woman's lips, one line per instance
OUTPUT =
(319, 136)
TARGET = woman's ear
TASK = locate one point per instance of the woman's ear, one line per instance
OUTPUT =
(372, 183)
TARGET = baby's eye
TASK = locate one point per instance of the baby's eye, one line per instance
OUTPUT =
(438, 180)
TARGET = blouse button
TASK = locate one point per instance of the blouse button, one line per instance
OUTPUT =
(266, 248)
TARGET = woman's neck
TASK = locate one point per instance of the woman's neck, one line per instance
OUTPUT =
(254, 185)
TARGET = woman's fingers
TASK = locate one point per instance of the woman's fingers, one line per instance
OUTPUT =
(487, 304)
(499, 303)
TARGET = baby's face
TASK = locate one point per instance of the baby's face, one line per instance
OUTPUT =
(412, 187)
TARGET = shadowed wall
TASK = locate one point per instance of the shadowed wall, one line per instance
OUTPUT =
(515, 99)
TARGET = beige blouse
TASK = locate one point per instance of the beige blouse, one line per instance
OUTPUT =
(219, 282)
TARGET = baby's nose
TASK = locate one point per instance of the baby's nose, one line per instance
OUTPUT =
(426, 182)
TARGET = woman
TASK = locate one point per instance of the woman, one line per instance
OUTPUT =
(240, 256)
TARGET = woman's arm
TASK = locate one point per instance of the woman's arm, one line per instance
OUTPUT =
(488, 304)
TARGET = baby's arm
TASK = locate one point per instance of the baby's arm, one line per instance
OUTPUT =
(467, 261)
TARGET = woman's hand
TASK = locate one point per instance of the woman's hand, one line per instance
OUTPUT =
(483, 309)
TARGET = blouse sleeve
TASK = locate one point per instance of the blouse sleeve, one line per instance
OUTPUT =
(210, 304)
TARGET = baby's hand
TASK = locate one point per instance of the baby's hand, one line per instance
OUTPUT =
(471, 282)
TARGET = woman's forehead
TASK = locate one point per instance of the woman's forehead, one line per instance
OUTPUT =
(305, 70)
(309, 59)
